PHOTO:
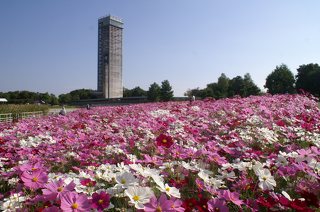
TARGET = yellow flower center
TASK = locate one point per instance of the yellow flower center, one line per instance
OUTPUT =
(123, 181)
(33, 169)
(136, 198)
(59, 189)
(216, 209)
(158, 209)
(164, 141)
(168, 189)
(264, 178)
(74, 206)
(100, 201)
(35, 179)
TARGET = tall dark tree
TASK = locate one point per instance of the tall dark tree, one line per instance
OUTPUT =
(236, 86)
(250, 88)
(222, 86)
(280, 81)
(154, 92)
(308, 78)
(166, 93)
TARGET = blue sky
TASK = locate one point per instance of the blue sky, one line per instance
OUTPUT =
(51, 46)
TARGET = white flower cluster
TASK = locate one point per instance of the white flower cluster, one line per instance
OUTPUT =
(160, 113)
(262, 135)
(36, 141)
(13, 203)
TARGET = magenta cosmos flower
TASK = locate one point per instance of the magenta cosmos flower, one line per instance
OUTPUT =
(34, 180)
(56, 189)
(100, 201)
(72, 201)
(163, 204)
(231, 196)
(164, 140)
(217, 205)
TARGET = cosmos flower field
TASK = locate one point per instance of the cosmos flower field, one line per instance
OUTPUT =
(251, 154)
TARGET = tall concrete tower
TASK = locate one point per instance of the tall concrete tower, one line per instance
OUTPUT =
(110, 57)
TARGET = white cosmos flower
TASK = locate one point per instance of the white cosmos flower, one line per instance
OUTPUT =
(188, 166)
(139, 195)
(267, 181)
(281, 161)
(257, 167)
(214, 182)
(126, 179)
(171, 191)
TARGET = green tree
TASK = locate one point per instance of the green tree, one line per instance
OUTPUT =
(53, 100)
(154, 92)
(65, 98)
(222, 86)
(308, 78)
(137, 91)
(166, 92)
(236, 86)
(126, 92)
(250, 88)
(280, 81)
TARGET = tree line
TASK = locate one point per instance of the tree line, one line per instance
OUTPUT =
(226, 87)
(154, 93)
(280, 81)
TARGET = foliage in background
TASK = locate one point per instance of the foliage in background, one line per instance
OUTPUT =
(308, 78)
(15, 109)
(226, 87)
(280, 81)
(135, 92)
(154, 92)
(23, 97)
(76, 95)
(166, 92)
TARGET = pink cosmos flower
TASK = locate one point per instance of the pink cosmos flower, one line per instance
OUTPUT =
(217, 205)
(163, 204)
(56, 189)
(100, 201)
(31, 167)
(177, 205)
(34, 180)
(231, 196)
(72, 201)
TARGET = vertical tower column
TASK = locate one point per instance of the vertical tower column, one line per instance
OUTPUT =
(110, 57)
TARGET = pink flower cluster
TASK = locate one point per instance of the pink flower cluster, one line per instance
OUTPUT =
(252, 154)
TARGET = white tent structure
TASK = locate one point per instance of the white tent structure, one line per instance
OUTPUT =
(3, 100)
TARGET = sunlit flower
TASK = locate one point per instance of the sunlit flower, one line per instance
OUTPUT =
(125, 179)
(34, 180)
(267, 181)
(56, 189)
(162, 204)
(139, 195)
(72, 202)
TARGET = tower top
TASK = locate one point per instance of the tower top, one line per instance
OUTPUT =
(111, 20)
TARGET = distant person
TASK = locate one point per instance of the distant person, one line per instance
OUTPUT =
(88, 107)
(193, 98)
(63, 111)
